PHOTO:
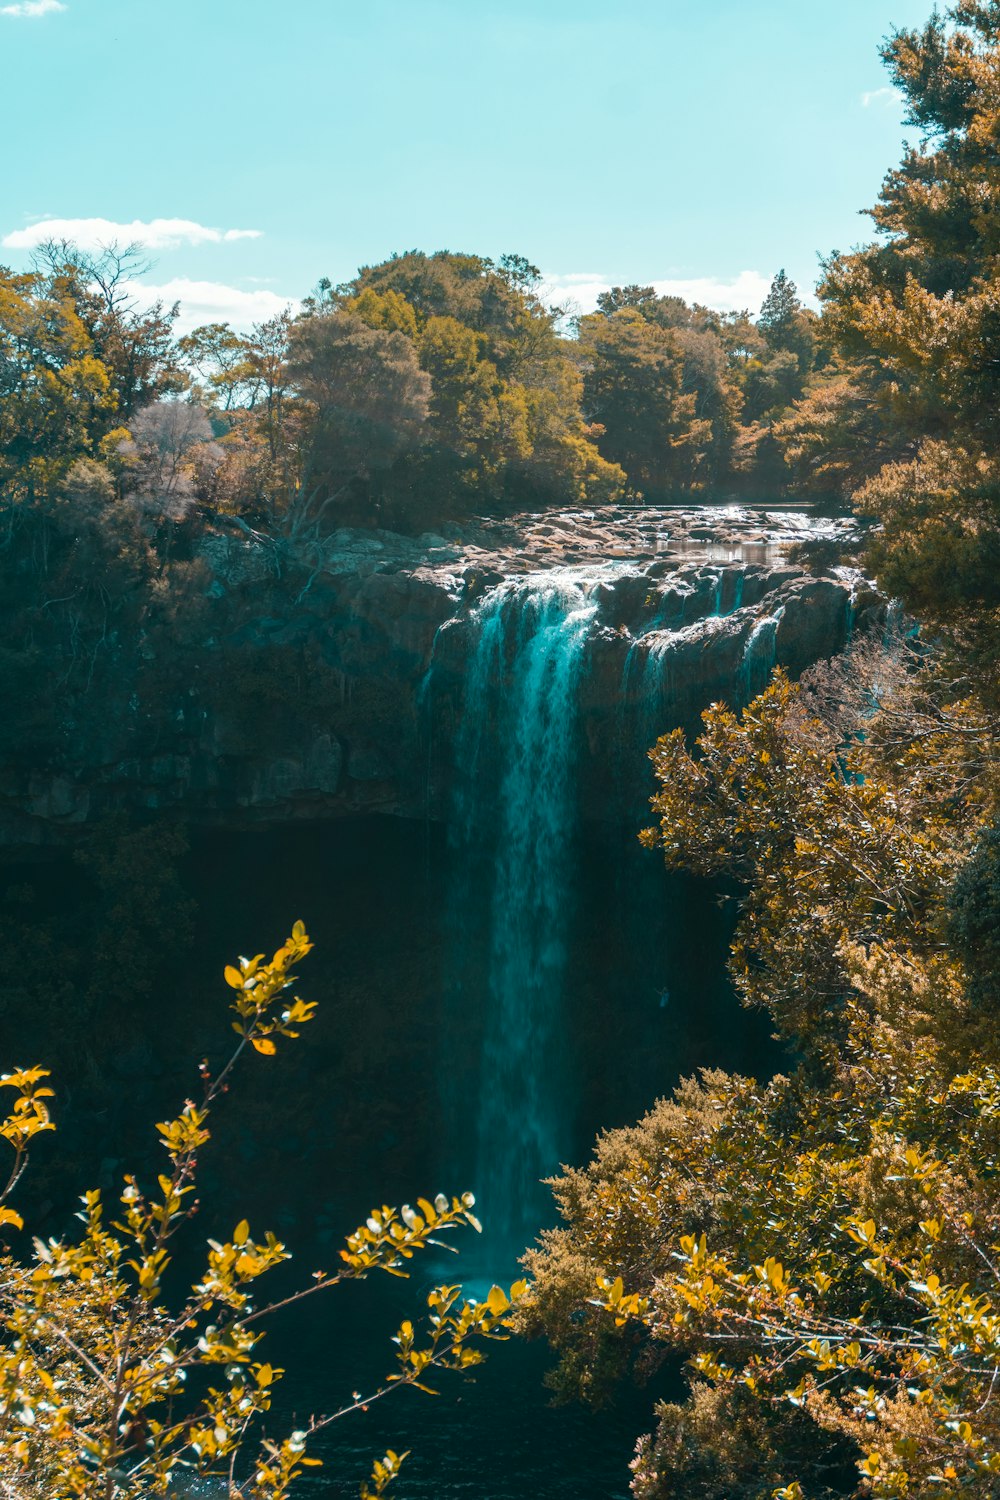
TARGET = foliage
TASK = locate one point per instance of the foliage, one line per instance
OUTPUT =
(825, 1258)
(170, 454)
(835, 839)
(56, 395)
(427, 387)
(974, 919)
(633, 389)
(112, 1386)
(916, 312)
(937, 547)
(505, 422)
(878, 1318)
(368, 400)
(689, 396)
(840, 433)
(133, 341)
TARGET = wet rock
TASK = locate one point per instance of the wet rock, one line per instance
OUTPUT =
(368, 762)
(59, 799)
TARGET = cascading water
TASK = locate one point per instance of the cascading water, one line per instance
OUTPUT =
(517, 752)
(647, 690)
(649, 659)
(760, 654)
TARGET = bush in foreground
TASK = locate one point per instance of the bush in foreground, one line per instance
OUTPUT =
(96, 1354)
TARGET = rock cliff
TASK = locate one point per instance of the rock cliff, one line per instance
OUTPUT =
(335, 684)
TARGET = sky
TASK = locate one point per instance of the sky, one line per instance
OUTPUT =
(253, 146)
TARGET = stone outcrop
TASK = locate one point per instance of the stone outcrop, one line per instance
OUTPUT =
(334, 684)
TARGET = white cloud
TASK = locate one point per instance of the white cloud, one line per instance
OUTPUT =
(883, 96)
(212, 302)
(152, 234)
(26, 10)
(748, 289)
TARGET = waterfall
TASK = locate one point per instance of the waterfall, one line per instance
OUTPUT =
(647, 687)
(760, 655)
(720, 606)
(517, 794)
(513, 826)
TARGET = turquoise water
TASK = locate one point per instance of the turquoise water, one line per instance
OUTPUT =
(522, 688)
(760, 655)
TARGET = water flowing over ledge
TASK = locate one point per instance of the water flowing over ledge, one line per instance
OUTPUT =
(545, 682)
(516, 796)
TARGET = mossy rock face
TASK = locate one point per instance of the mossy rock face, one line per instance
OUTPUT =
(974, 920)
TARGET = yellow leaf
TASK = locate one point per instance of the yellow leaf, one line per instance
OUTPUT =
(265, 1045)
(8, 1216)
(497, 1301)
(233, 977)
(242, 1232)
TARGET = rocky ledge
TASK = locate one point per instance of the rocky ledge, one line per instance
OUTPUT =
(335, 683)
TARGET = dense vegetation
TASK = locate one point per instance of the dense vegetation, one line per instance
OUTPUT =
(823, 1247)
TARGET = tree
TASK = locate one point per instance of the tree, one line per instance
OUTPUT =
(719, 360)
(839, 434)
(633, 375)
(836, 838)
(95, 1352)
(920, 307)
(505, 426)
(56, 394)
(369, 398)
(500, 302)
(169, 451)
(622, 298)
(779, 311)
(824, 1263)
(465, 389)
(134, 341)
(519, 272)
(388, 310)
(220, 360)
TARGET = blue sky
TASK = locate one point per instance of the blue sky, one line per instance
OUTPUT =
(696, 143)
